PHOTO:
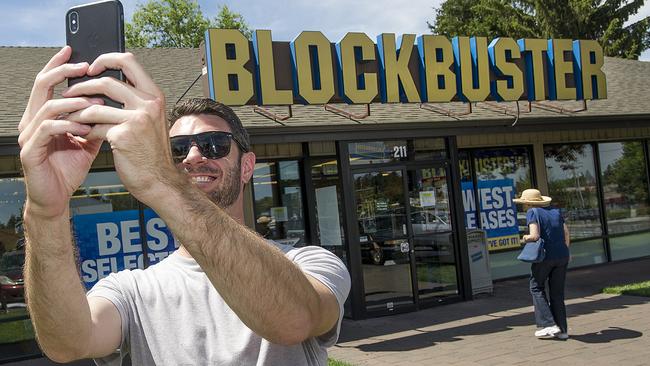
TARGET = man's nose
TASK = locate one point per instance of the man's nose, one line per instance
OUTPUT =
(194, 156)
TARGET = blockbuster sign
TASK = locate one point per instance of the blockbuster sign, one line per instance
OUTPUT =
(424, 69)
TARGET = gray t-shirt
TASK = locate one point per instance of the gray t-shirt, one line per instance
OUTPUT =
(172, 315)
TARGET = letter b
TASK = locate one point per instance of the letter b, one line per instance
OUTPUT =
(109, 243)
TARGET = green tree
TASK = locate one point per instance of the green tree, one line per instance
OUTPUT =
(228, 19)
(572, 19)
(176, 23)
(628, 173)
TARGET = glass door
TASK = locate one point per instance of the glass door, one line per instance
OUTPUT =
(384, 239)
(432, 235)
(408, 251)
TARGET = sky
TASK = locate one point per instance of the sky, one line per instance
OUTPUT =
(41, 22)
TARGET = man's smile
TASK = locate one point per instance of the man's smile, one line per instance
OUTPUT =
(202, 179)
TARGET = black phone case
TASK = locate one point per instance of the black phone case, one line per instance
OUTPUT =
(100, 30)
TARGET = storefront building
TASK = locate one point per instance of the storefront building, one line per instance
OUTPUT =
(394, 189)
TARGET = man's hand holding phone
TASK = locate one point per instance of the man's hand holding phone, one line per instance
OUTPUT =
(137, 133)
(60, 138)
(54, 155)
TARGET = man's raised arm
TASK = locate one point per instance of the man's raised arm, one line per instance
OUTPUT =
(55, 162)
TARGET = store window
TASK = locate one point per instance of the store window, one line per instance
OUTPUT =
(278, 198)
(12, 199)
(626, 201)
(571, 178)
(329, 232)
(490, 180)
(15, 327)
(572, 184)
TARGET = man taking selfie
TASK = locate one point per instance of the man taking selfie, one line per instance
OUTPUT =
(226, 296)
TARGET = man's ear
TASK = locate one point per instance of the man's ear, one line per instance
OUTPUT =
(247, 166)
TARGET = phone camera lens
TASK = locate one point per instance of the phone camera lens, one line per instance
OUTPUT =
(73, 20)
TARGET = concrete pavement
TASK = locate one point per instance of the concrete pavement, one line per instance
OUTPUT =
(498, 329)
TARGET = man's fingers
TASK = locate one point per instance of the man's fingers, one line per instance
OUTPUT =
(52, 109)
(133, 71)
(44, 85)
(59, 58)
(99, 132)
(110, 87)
(57, 107)
(56, 75)
(100, 114)
(54, 127)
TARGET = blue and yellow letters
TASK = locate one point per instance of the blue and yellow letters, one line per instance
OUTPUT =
(355, 70)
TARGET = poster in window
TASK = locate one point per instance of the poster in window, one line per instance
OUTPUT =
(428, 199)
(498, 213)
(110, 242)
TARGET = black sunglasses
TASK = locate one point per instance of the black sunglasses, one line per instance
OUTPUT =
(211, 144)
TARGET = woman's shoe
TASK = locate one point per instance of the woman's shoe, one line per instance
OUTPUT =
(548, 331)
(562, 335)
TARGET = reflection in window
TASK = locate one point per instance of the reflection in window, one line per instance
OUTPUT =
(17, 333)
(277, 192)
(380, 204)
(375, 152)
(429, 149)
(512, 163)
(572, 185)
(101, 192)
(625, 186)
(435, 260)
(12, 199)
(435, 263)
(383, 239)
(429, 200)
(329, 217)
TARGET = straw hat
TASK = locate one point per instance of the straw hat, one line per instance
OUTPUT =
(533, 197)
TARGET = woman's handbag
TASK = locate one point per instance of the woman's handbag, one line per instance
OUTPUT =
(533, 251)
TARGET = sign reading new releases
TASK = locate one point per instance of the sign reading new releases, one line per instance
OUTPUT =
(406, 69)
(498, 213)
(110, 242)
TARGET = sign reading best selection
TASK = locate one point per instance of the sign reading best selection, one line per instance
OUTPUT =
(428, 68)
(110, 242)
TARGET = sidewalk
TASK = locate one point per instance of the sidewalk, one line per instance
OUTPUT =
(498, 329)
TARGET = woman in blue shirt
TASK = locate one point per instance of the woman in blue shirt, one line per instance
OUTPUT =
(547, 222)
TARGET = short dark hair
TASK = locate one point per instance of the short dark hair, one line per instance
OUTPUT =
(195, 106)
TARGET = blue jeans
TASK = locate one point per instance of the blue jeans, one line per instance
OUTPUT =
(549, 310)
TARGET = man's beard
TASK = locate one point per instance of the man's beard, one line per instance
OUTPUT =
(227, 192)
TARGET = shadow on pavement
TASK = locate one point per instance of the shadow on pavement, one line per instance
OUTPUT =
(607, 335)
(496, 324)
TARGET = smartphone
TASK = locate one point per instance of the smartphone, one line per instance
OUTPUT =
(92, 30)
